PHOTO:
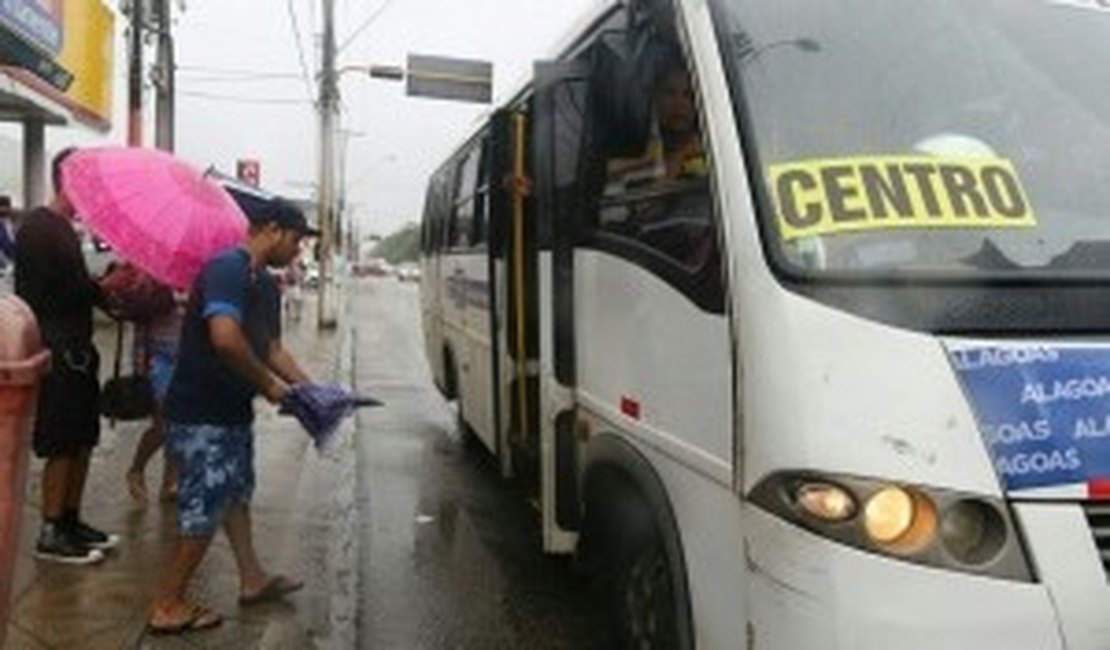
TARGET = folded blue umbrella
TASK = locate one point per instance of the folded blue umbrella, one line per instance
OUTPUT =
(320, 408)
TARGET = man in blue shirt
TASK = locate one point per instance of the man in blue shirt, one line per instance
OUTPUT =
(230, 352)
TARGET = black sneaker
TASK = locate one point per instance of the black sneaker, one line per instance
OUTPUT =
(91, 537)
(56, 544)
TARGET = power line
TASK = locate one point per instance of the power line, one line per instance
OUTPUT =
(313, 7)
(300, 47)
(366, 23)
(246, 100)
(240, 78)
(187, 69)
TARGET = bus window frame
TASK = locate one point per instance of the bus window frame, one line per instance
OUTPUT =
(703, 284)
(475, 150)
(480, 223)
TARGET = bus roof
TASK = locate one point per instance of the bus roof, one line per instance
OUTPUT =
(522, 89)
(570, 39)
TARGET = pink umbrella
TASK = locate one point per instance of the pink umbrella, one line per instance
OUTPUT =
(155, 210)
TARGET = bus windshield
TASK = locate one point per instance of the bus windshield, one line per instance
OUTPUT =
(958, 138)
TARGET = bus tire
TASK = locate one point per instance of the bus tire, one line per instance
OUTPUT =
(646, 612)
(450, 387)
(631, 574)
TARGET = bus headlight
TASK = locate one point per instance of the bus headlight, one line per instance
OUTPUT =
(973, 531)
(900, 519)
(931, 526)
(825, 501)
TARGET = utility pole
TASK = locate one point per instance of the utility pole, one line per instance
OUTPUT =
(329, 103)
(135, 77)
(165, 73)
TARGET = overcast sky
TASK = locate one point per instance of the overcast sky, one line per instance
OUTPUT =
(242, 93)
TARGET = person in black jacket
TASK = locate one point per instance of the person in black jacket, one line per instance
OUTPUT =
(51, 276)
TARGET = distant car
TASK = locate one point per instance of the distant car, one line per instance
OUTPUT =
(373, 268)
(408, 273)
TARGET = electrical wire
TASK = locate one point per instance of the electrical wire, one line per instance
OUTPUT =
(233, 72)
(366, 23)
(300, 47)
(245, 78)
(245, 100)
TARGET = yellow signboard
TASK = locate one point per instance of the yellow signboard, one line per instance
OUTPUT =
(89, 53)
(839, 195)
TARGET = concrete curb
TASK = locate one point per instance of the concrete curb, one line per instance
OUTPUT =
(341, 561)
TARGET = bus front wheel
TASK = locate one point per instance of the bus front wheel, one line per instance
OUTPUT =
(645, 600)
(633, 575)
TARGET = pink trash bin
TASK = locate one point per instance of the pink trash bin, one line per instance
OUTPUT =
(23, 362)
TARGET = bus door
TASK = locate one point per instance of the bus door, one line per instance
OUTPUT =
(558, 132)
(514, 249)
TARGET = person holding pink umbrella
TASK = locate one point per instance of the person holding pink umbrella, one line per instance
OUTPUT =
(52, 278)
(230, 351)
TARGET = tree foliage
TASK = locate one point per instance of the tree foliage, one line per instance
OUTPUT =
(401, 246)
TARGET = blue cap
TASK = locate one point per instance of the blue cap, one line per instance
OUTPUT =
(285, 214)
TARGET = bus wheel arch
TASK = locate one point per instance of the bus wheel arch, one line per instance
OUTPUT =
(631, 548)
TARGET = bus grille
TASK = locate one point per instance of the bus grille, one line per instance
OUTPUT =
(1098, 517)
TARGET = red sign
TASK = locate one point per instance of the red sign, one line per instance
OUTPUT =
(249, 171)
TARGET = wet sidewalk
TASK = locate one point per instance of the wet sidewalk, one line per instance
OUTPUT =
(303, 515)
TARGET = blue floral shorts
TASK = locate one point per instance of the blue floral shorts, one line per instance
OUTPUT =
(216, 469)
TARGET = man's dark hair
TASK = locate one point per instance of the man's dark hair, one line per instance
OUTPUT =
(56, 167)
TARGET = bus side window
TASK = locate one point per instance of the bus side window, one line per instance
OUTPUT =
(462, 214)
(660, 197)
(430, 239)
(480, 233)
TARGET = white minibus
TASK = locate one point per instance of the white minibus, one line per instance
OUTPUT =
(794, 317)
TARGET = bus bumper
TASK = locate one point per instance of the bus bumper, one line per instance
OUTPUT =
(808, 592)
(1062, 545)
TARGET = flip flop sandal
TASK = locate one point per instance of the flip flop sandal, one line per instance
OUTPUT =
(200, 618)
(275, 588)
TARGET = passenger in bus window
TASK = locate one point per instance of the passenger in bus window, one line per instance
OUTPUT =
(679, 136)
(674, 149)
(660, 198)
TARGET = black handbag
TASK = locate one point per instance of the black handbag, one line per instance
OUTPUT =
(128, 397)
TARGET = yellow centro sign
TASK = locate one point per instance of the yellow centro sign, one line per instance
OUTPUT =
(823, 197)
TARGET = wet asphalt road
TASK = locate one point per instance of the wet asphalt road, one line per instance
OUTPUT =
(449, 554)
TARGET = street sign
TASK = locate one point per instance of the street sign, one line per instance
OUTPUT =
(440, 77)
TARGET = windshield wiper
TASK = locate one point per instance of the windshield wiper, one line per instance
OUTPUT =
(1093, 254)
(990, 257)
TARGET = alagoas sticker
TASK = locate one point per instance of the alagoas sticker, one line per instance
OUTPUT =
(838, 195)
(1043, 410)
